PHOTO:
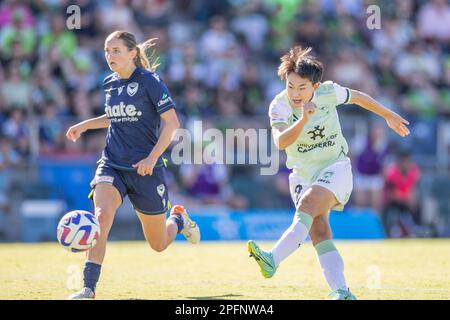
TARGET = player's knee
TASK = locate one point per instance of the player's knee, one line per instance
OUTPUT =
(315, 202)
(310, 204)
(104, 215)
(158, 246)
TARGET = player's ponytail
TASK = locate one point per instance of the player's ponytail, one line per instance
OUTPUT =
(299, 60)
(145, 55)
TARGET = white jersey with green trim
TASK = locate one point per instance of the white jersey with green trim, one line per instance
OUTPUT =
(321, 141)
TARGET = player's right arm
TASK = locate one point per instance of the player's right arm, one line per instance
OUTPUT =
(75, 131)
(284, 135)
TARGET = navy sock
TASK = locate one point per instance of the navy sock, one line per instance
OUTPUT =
(178, 220)
(91, 274)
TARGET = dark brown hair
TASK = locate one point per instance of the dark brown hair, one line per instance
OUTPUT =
(145, 57)
(299, 60)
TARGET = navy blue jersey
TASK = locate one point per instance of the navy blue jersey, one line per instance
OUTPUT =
(133, 107)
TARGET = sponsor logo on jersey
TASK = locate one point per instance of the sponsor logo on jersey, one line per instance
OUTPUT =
(164, 99)
(122, 113)
(329, 142)
(132, 88)
(119, 89)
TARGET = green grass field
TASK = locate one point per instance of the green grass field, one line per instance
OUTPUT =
(389, 269)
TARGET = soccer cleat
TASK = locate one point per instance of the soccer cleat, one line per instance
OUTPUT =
(190, 231)
(264, 259)
(342, 294)
(85, 293)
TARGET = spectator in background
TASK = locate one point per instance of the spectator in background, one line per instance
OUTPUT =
(252, 24)
(433, 21)
(217, 39)
(444, 90)
(151, 12)
(251, 92)
(208, 184)
(16, 89)
(401, 211)
(47, 88)
(10, 8)
(349, 69)
(393, 37)
(9, 160)
(17, 129)
(417, 60)
(369, 156)
(50, 129)
(59, 37)
(119, 16)
(17, 31)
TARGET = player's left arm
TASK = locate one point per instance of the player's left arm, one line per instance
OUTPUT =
(393, 120)
(169, 125)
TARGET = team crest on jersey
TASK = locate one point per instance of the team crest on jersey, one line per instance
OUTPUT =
(132, 88)
(317, 133)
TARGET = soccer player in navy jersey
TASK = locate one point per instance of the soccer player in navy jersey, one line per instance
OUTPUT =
(141, 120)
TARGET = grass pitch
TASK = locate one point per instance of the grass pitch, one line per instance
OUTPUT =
(388, 269)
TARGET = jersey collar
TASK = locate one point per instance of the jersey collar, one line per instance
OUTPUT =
(130, 77)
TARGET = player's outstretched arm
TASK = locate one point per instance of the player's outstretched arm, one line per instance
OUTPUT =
(393, 120)
(75, 131)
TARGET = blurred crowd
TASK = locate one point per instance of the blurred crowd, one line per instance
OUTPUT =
(219, 60)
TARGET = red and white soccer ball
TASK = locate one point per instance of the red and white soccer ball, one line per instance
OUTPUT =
(78, 231)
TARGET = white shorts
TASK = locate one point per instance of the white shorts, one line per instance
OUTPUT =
(337, 178)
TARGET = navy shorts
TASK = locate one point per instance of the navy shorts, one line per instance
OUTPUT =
(148, 194)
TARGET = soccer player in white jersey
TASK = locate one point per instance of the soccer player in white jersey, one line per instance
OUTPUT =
(305, 124)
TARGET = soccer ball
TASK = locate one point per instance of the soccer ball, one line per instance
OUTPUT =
(78, 231)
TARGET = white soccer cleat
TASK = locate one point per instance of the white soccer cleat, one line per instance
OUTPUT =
(85, 293)
(191, 231)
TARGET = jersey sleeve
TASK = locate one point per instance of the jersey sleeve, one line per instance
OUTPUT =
(343, 94)
(279, 112)
(159, 94)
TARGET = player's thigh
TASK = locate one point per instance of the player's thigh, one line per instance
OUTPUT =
(317, 201)
(321, 229)
(154, 228)
(107, 200)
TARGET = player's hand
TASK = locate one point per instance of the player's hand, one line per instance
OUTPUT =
(308, 110)
(145, 166)
(397, 123)
(74, 132)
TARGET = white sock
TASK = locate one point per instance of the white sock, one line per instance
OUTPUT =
(292, 238)
(332, 264)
